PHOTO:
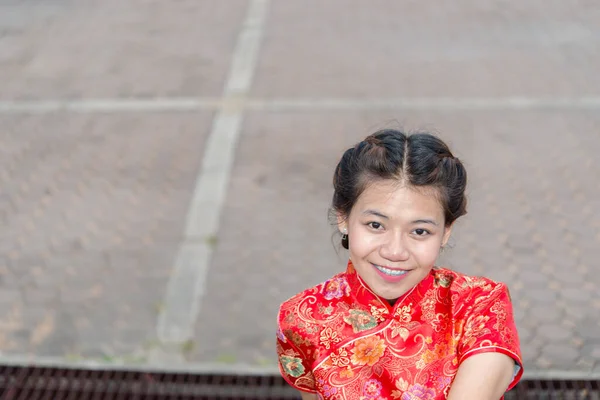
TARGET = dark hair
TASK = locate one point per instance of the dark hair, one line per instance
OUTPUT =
(418, 160)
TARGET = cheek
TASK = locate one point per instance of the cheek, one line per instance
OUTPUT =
(427, 251)
(363, 242)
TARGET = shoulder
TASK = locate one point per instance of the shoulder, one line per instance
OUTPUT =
(315, 301)
(462, 284)
(470, 291)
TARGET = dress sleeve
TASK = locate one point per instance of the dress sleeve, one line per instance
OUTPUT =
(293, 355)
(489, 326)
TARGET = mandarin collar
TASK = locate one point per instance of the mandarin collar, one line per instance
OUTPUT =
(364, 295)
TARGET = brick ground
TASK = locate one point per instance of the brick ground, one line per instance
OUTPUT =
(110, 48)
(93, 205)
(92, 209)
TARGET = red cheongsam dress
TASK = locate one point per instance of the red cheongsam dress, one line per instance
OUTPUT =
(340, 340)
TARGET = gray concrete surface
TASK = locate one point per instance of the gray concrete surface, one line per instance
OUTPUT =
(95, 201)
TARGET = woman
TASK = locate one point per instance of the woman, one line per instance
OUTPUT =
(393, 326)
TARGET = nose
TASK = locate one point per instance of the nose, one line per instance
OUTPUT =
(394, 249)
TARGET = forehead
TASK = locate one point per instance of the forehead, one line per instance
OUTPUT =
(398, 201)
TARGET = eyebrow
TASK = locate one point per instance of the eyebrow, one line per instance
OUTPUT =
(417, 221)
(376, 213)
(425, 221)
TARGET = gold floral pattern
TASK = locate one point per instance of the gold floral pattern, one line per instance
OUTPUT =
(367, 351)
(340, 358)
(474, 328)
(329, 336)
(438, 352)
(403, 313)
(428, 306)
(400, 330)
(379, 313)
(341, 341)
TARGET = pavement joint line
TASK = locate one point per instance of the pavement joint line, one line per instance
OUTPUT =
(231, 369)
(110, 105)
(426, 103)
(185, 288)
(235, 99)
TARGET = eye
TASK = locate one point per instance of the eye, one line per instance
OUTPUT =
(375, 225)
(421, 232)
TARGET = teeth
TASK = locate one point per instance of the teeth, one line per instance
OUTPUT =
(390, 272)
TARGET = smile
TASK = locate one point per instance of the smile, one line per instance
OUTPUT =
(390, 272)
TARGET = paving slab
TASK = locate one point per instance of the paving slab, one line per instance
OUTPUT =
(413, 49)
(108, 48)
(275, 239)
(92, 209)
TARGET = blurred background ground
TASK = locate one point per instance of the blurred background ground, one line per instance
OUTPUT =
(165, 167)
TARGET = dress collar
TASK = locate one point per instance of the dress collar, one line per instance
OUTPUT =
(364, 295)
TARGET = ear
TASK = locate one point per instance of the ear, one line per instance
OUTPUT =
(447, 233)
(342, 223)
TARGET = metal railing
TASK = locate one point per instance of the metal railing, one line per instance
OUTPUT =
(36, 383)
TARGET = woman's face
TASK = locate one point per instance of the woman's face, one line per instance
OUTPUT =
(395, 234)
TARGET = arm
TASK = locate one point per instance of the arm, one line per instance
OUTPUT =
(308, 396)
(484, 376)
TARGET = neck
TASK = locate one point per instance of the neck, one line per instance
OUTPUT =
(391, 301)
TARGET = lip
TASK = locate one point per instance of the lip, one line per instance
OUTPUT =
(388, 278)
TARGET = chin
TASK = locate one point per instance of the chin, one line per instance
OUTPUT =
(390, 294)
(393, 296)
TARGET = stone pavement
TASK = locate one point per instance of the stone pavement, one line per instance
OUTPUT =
(109, 108)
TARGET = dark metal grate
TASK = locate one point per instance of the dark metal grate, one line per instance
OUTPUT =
(33, 383)
(47, 383)
(555, 390)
